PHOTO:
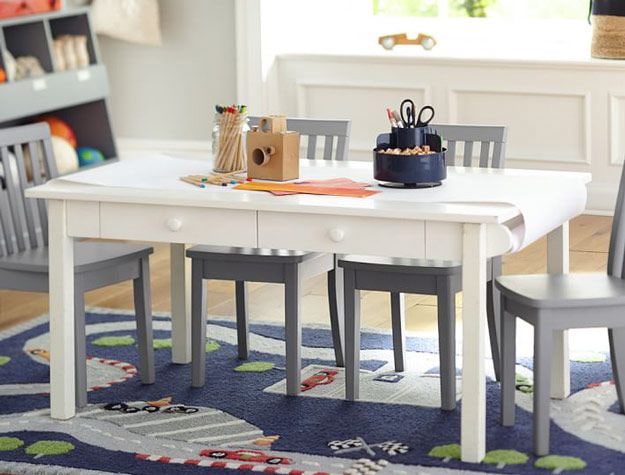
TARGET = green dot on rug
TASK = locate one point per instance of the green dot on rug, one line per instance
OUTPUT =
(111, 341)
(211, 346)
(254, 367)
(162, 343)
(560, 463)
(4, 360)
(165, 343)
(505, 457)
(49, 447)
(10, 443)
(588, 357)
(450, 451)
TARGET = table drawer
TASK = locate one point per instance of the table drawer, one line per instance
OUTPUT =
(178, 224)
(341, 234)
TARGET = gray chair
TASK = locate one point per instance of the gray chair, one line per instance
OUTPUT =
(552, 302)
(419, 276)
(24, 248)
(271, 266)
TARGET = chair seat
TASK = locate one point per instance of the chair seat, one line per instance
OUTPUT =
(400, 265)
(563, 290)
(88, 256)
(249, 254)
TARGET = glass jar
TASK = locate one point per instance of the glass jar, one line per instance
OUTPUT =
(229, 138)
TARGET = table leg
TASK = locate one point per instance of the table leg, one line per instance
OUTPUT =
(61, 288)
(180, 269)
(558, 263)
(473, 421)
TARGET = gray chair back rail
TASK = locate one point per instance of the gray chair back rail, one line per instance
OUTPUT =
(616, 254)
(19, 220)
(492, 140)
(335, 132)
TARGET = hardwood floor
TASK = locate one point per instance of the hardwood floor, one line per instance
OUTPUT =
(589, 244)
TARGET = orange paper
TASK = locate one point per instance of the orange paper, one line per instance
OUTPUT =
(306, 189)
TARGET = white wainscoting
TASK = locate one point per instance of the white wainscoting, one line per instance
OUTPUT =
(561, 115)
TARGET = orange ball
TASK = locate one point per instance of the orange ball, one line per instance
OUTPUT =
(59, 128)
(3, 75)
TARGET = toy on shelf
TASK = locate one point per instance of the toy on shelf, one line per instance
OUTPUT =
(228, 134)
(273, 151)
(12, 8)
(388, 42)
(65, 156)
(27, 67)
(60, 128)
(70, 52)
(10, 65)
(89, 156)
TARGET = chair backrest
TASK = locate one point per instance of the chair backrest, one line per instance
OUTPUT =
(616, 254)
(335, 133)
(492, 140)
(27, 160)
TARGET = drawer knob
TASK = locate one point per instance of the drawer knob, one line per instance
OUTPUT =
(173, 224)
(336, 234)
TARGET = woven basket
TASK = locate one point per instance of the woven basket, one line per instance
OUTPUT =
(608, 33)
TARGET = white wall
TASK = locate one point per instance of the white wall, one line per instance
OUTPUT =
(169, 92)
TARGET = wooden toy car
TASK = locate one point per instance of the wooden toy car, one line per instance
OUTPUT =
(388, 42)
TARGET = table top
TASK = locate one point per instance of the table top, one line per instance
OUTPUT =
(158, 184)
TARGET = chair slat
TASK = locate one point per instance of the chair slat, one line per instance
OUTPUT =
(311, 152)
(484, 154)
(28, 210)
(14, 202)
(451, 152)
(616, 254)
(341, 148)
(33, 150)
(4, 224)
(468, 154)
(498, 155)
(328, 148)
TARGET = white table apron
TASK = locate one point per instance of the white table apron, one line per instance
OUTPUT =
(470, 233)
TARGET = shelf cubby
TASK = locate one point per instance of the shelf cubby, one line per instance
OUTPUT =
(29, 39)
(75, 25)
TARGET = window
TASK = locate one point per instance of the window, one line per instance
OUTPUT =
(505, 9)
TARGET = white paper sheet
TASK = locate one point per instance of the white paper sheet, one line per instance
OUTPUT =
(543, 206)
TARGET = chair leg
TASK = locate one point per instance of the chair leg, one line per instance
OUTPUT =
(508, 366)
(617, 354)
(335, 278)
(352, 336)
(446, 302)
(543, 350)
(80, 351)
(292, 315)
(243, 331)
(198, 325)
(493, 312)
(398, 320)
(143, 311)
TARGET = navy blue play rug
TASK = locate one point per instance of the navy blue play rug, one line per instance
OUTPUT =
(241, 420)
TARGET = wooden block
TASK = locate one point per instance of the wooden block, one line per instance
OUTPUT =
(273, 156)
(275, 124)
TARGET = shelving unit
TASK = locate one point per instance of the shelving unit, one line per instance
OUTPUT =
(79, 97)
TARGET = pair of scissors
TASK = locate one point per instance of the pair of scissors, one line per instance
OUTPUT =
(409, 117)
